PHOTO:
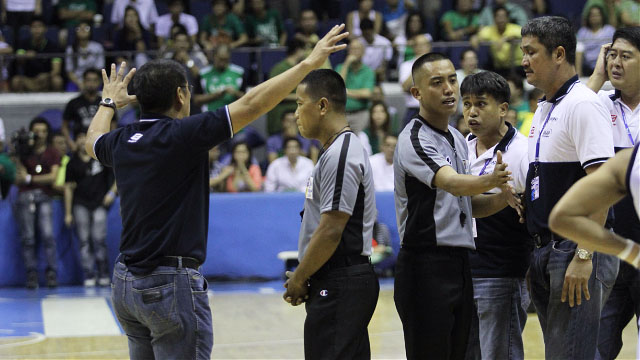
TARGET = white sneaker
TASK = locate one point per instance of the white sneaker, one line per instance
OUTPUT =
(90, 282)
(104, 281)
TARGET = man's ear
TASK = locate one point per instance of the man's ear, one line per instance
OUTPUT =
(323, 105)
(415, 92)
(181, 97)
(504, 109)
(560, 54)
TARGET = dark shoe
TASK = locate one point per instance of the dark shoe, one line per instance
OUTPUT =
(32, 280)
(52, 280)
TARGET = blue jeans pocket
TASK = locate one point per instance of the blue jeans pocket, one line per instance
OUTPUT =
(155, 302)
(607, 269)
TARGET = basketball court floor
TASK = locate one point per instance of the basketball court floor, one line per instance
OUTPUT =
(251, 321)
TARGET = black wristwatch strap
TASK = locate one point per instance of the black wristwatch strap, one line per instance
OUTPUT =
(108, 103)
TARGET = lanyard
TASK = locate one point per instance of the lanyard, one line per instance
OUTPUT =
(626, 126)
(485, 166)
(537, 159)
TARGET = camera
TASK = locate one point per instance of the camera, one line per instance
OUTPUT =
(23, 142)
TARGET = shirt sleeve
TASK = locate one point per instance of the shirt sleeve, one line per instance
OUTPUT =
(103, 147)
(206, 130)
(340, 179)
(404, 72)
(270, 179)
(420, 158)
(590, 131)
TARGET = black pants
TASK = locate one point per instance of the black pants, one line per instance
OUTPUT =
(339, 309)
(434, 298)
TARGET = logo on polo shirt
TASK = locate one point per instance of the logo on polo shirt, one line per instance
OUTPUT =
(135, 137)
(546, 133)
(448, 160)
(533, 131)
(613, 119)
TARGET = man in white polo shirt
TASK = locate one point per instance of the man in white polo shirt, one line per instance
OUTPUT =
(570, 137)
(619, 62)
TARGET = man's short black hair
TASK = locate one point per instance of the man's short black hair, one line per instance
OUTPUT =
(366, 24)
(497, 8)
(631, 34)
(41, 120)
(328, 84)
(553, 31)
(155, 83)
(426, 58)
(91, 71)
(486, 83)
(38, 18)
(290, 138)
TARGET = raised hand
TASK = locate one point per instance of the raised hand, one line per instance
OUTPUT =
(500, 175)
(326, 46)
(601, 64)
(115, 86)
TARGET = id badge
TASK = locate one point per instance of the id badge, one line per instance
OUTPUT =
(535, 188)
(308, 193)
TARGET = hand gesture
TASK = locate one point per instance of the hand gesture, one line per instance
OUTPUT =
(576, 281)
(115, 86)
(500, 175)
(297, 292)
(601, 64)
(326, 46)
(512, 199)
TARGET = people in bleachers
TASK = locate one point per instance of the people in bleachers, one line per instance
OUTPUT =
(60, 144)
(518, 102)
(7, 166)
(222, 27)
(515, 13)
(307, 30)
(5, 49)
(629, 11)
(289, 128)
(468, 64)
(525, 119)
(365, 11)
(461, 23)
(132, 36)
(215, 168)
(83, 54)
(36, 172)
(404, 43)
(31, 74)
(184, 50)
(379, 126)
(296, 51)
(222, 82)
(241, 175)
(505, 53)
(70, 14)
(148, 14)
(289, 172)
(595, 33)
(89, 191)
(378, 50)
(16, 13)
(264, 26)
(176, 15)
(360, 80)
(421, 46)
(80, 110)
(609, 10)
(394, 15)
(382, 164)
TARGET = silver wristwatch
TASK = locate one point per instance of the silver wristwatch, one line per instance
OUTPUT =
(108, 102)
(584, 254)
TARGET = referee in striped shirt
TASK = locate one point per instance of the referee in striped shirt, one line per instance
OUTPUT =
(335, 276)
(434, 196)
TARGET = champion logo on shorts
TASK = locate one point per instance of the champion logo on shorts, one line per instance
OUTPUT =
(324, 292)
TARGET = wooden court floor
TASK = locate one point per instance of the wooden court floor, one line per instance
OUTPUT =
(258, 325)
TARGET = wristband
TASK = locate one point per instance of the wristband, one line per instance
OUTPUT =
(27, 179)
(627, 250)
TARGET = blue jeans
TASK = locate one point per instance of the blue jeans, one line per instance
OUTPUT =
(165, 313)
(501, 313)
(33, 208)
(91, 227)
(623, 303)
(569, 333)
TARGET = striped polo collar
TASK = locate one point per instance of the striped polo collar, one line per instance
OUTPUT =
(563, 91)
(505, 141)
(148, 116)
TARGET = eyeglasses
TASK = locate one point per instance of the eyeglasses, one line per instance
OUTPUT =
(188, 86)
(84, 28)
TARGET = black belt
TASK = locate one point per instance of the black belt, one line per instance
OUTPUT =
(177, 261)
(544, 239)
(338, 262)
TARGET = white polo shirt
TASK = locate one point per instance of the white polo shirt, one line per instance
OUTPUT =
(569, 133)
(382, 172)
(625, 123)
(146, 10)
(513, 147)
(377, 52)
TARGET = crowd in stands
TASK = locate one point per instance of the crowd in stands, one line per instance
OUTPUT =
(228, 46)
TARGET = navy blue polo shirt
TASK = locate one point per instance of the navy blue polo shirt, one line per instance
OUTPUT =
(161, 168)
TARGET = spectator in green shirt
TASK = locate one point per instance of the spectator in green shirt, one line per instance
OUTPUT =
(222, 83)
(264, 26)
(360, 81)
(461, 23)
(629, 11)
(221, 27)
(72, 12)
(517, 14)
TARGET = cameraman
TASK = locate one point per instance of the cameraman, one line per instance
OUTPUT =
(37, 170)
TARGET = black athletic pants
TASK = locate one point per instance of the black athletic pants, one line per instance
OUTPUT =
(339, 308)
(434, 298)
